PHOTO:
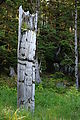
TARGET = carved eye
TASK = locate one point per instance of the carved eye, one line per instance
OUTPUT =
(23, 54)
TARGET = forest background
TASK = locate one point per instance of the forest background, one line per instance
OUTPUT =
(56, 94)
(55, 38)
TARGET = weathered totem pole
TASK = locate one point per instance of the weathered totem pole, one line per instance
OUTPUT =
(26, 59)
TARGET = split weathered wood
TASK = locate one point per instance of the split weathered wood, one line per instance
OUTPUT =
(26, 59)
(12, 72)
(37, 68)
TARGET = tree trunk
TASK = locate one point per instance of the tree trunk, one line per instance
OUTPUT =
(12, 72)
(26, 59)
(76, 48)
(38, 79)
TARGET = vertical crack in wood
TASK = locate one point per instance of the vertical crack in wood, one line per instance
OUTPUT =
(26, 59)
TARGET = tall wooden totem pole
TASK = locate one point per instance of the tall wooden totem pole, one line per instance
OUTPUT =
(26, 59)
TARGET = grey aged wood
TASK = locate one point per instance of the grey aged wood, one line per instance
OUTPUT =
(12, 72)
(26, 59)
(38, 79)
(76, 48)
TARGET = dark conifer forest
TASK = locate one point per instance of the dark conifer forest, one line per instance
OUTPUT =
(57, 90)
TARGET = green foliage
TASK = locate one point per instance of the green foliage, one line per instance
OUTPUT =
(67, 62)
(57, 75)
(49, 105)
(50, 102)
(9, 32)
(49, 44)
(24, 26)
(8, 81)
(58, 82)
(55, 23)
(2, 33)
(40, 87)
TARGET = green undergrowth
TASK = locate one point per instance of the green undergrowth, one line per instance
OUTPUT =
(8, 81)
(49, 104)
(58, 82)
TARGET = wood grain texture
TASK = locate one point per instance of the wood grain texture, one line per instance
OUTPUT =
(26, 59)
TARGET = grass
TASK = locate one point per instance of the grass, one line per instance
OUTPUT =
(49, 105)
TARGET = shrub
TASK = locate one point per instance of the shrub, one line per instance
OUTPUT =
(57, 75)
